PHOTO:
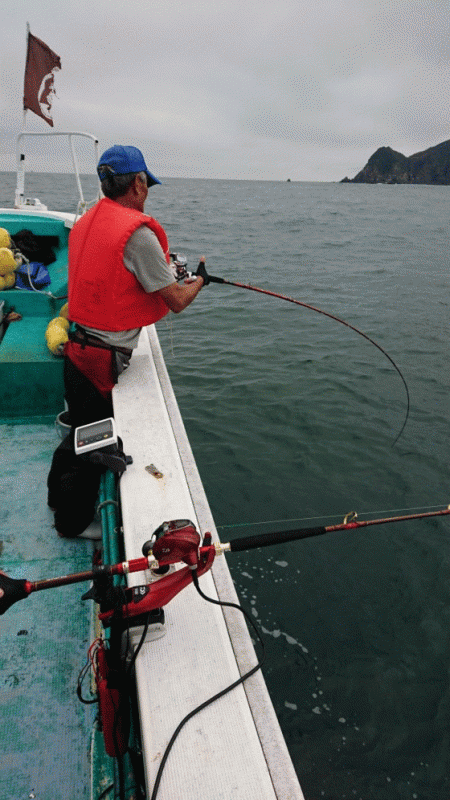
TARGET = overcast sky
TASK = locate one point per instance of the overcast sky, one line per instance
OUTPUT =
(253, 89)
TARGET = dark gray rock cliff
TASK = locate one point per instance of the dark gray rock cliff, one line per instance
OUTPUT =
(388, 166)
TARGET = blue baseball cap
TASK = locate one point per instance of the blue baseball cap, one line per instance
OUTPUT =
(122, 159)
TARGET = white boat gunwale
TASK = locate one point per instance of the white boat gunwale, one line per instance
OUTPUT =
(258, 764)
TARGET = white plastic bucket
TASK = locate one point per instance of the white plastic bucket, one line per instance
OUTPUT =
(62, 425)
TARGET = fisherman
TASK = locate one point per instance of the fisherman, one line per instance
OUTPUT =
(120, 280)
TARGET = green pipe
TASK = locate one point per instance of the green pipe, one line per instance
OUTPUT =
(112, 554)
(109, 519)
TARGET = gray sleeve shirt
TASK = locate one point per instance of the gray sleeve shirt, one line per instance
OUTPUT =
(144, 257)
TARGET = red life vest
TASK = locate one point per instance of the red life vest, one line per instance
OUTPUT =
(103, 293)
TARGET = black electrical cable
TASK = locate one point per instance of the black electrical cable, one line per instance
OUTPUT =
(81, 676)
(139, 647)
(219, 694)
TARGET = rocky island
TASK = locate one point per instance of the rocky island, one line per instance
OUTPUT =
(388, 166)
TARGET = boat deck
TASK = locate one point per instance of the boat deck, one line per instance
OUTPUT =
(45, 732)
(233, 748)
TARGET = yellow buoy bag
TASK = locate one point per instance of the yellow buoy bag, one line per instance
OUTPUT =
(10, 280)
(7, 261)
(5, 239)
(56, 335)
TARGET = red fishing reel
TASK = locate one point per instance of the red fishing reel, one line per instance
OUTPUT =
(173, 542)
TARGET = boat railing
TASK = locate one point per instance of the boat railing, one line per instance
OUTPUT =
(21, 201)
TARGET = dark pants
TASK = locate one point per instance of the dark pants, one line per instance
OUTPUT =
(73, 482)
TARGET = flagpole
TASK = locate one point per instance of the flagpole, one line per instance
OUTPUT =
(26, 54)
(20, 157)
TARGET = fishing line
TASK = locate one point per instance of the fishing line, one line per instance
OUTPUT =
(323, 516)
(214, 279)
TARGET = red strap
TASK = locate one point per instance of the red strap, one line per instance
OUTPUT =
(94, 363)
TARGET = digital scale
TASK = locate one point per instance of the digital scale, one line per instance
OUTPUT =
(95, 435)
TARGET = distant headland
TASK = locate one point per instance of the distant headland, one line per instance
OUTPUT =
(388, 166)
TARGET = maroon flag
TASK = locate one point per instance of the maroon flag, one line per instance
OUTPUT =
(39, 76)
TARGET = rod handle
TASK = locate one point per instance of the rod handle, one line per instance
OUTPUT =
(12, 590)
(266, 539)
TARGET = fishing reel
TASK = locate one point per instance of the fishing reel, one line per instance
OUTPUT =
(173, 542)
(179, 263)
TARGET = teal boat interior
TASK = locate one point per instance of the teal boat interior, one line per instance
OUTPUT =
(30, 375)
(51, 743)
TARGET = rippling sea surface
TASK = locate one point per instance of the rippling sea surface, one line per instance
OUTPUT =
(292, 418)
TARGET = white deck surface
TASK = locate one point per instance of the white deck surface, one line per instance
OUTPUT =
(233, 749)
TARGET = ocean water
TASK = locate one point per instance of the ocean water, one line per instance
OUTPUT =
(292, 418)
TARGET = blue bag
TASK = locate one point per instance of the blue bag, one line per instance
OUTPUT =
(32, 276)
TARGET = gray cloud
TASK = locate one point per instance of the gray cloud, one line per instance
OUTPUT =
(249, 89)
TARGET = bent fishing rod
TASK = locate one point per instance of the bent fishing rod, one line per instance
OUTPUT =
(179, 542)
(213, 279)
